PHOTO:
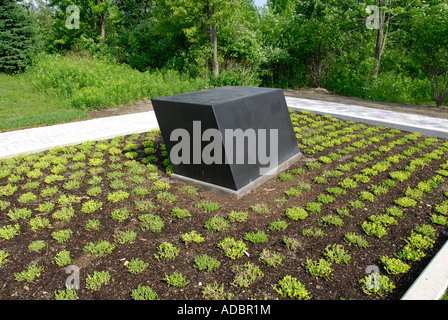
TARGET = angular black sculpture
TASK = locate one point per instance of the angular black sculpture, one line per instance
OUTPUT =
(228, 139)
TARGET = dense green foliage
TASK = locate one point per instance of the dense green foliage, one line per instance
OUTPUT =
(396, 52)
(16, 36)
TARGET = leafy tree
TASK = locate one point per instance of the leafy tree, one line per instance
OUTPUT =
(429, 47)
(16, 36)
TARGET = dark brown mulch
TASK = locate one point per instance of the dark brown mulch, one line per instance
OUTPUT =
(344, 283)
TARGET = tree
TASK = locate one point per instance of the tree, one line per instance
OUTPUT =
(16, 36)
(202, 18)
(429, 47)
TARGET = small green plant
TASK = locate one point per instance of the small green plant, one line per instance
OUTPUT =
(102, 248)
(136, 266)
(216, 224)
(348, 183)
(166, 197)
(355, 239)
(176, 279)
(271, 258)
(314, 207)
(67, 294)
(9, 231)
(285, 176)
(192, 236)
(32, 272)
(27, 198)
(292, 243)
(92, 224)
(290, 287)
(144, 293)
(320, 269)
(313, 232)
(260, 208)
(39, 223)
(296, 213)
(3, 257)
(246, 275)
(117, 196)
(180, 213)
(330, 219)
(325, 199)
(208, 206)
(376, 284)
(394, 266)
(240, 216)
(405, 202)
(120, 214)
(337, 254)
(256, 237)
(62, 236)
(94, 191)
(46, 207)
(278, 225)
(216, 292)
(366, 196)
(151, 222)
(17, 214)
(233, 249)
(188, 189)
(36, 246)
(91, 206)
(97, 279)
(126, 236)
(64, 214)
(374, 229)
(205, 262)
(63, 258)
(166, 251)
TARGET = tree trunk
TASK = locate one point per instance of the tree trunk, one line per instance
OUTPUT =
(213, 33)
(102, 25)
(380, 38)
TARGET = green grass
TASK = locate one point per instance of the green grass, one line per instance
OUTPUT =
(21, 106)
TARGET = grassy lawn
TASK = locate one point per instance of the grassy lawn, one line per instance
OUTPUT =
(21, 106)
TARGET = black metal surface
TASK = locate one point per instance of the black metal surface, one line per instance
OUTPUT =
(226, 108)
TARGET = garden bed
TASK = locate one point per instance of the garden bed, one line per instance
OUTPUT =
(363, 198)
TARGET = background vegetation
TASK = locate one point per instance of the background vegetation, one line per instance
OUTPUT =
(108, 52)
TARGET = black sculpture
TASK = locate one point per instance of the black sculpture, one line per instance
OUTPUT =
(228, 139)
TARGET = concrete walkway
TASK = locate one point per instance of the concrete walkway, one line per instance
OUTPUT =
(430, 126)
(39, 139)
(44, 138)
